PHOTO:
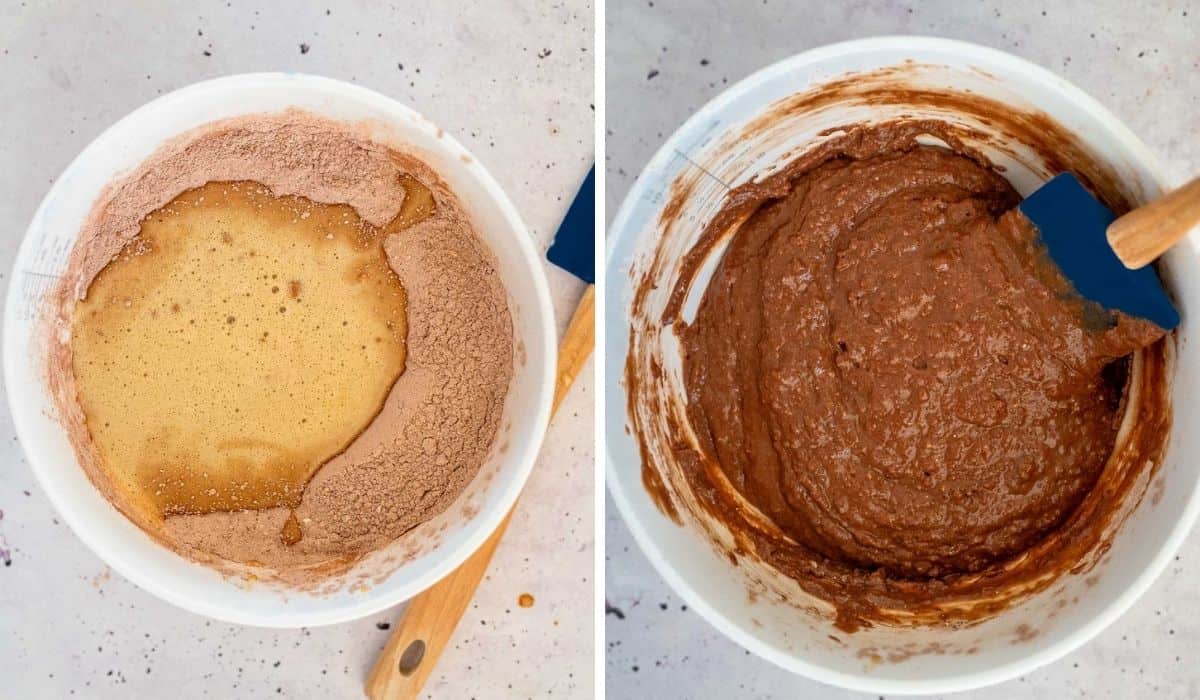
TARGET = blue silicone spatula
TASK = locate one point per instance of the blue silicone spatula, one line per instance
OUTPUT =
(1105, 257)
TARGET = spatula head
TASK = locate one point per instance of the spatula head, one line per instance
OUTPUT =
(574, 245)
(1072, 224)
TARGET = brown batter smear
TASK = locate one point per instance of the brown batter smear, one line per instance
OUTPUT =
(411, 388)
(891, 397)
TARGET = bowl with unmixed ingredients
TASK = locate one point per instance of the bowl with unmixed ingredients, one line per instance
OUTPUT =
(858, 626)
(329, 205)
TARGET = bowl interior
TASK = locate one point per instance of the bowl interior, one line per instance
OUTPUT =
(882, 660)
(389, 575)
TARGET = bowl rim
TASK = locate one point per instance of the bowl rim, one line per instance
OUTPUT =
(376, 598)
(620, 229)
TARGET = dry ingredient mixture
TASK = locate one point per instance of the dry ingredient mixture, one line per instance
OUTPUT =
(885, 365)
(308, 343)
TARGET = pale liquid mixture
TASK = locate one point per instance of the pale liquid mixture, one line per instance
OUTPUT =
(237, 344)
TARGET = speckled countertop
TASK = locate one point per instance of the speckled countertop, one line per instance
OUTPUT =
(511, 80)
(666, 59)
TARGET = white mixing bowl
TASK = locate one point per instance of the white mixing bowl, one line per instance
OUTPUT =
(388, 576)
(926, 660)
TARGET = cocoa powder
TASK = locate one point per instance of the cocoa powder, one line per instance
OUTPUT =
(441, 417)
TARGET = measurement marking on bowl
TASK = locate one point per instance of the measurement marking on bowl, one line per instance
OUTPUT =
(703, 169)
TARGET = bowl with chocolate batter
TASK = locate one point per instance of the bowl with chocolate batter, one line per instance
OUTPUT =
(283, 351)
(869, 434)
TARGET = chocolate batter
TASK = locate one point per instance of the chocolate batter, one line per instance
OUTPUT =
(886, 366)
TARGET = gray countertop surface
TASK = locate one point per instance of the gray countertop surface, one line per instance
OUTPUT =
(511, 80)
(665, 60)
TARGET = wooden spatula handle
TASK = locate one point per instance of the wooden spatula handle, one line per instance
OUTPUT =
(429, 620)
(1145, 233)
